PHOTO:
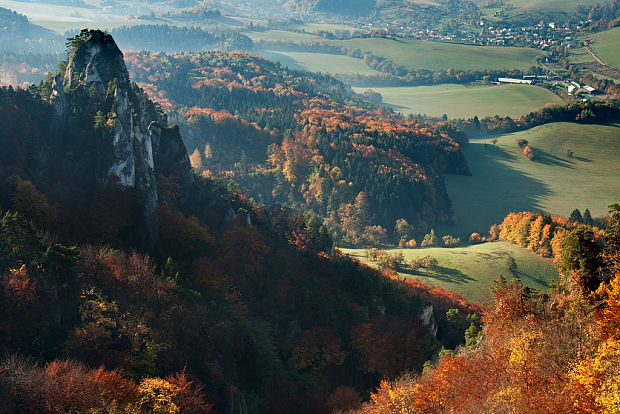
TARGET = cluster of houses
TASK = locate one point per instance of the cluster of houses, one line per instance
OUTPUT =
(540, 35)
(573, 87)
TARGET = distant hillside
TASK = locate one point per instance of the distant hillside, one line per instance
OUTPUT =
(304, 140)
(173, 39)
(343, 7)
(17, 34)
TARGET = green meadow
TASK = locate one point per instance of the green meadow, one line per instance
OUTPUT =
(606, 45)
(503, 180)
(316, 27)
(422, 54)
(471, 270)
(320, 62)
(278, 35)
(466, 101)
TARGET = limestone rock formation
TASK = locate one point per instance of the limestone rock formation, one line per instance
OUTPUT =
(132, 141)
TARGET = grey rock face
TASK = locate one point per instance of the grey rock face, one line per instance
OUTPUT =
(138, 147)
(170, 153)
(427, 317)
(97, 60)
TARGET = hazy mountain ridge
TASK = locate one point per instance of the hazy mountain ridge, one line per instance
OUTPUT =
(17, 34)
(336, 7)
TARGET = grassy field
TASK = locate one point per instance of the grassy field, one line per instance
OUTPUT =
(424, 54)
(319, 62)
(472, 270)
(315, 27)
(504, 180)
(424, 2)
(607, 46)
(462, 101)
(277, 35)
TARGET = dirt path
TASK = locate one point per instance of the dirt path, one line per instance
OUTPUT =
(599, 59)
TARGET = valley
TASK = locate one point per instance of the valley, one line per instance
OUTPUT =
(311, 206)
(472, 270)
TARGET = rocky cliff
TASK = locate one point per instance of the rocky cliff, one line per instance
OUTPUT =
(132, 141)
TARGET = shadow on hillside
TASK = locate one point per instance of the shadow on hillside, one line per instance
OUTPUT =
(494, 189)
(497, 152)
(523, 276)
(543, 157)
(494, 255)
(394, 106)
(582, 159)
(443, 274)
(281, 58)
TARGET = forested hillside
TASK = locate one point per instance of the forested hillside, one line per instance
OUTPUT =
(337, 7)
(537, 353)
(304, 140)
(17, 34)
(130, 284)
(173, 39)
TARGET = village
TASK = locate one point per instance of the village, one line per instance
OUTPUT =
(541, 35)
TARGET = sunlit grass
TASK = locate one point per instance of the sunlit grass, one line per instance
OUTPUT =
(464, 101)
(503, 180)
(471, 270)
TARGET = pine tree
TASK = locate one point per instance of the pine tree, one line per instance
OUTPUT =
(576, 216)
(362, 210)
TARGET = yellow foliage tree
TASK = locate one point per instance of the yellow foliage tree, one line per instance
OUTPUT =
(157, 396)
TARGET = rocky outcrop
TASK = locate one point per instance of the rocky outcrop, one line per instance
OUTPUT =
(135, 145)
(427, 316)
(171, 159)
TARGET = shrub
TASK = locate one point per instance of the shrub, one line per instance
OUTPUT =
(494, 233)
(475, 238)
(430, 239)
(390, 261)
(450, 241)
(522, 143)
(372, 254)
(426, 262)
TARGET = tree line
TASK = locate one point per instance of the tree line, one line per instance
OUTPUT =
(556, 352)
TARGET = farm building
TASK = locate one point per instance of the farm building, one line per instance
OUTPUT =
(512, 80)
(589, 89)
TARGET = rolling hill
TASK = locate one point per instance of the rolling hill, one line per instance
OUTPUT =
(472, 270)
(466, 101)
(504, 180)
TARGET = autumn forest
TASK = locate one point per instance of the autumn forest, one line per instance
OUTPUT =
(176, 232)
